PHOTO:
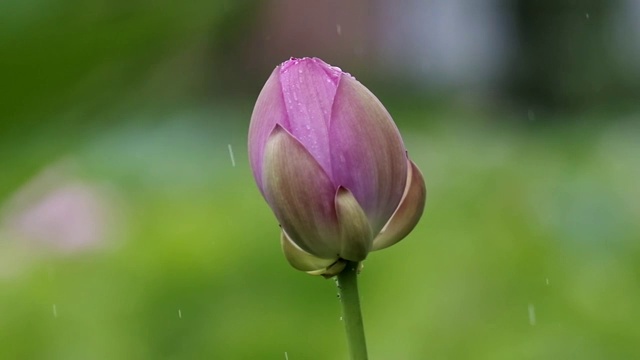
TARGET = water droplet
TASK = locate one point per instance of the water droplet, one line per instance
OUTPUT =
(531, 115)
(532, 315)
(55, 310)
(233, 160)
(339, 29)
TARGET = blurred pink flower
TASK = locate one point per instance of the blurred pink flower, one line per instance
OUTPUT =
(60, 213)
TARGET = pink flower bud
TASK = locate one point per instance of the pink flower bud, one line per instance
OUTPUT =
(332, 166)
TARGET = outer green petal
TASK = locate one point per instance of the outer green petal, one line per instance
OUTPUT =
(302, 260)
(356, 236)
(300, 195)
(408, 213)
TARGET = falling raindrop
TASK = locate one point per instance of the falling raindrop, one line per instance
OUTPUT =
(180, 313)
(55, 311)
(532, 315)
(587, 16)
(233, 160)
(286, 356)
(531, 115)
(339, 29)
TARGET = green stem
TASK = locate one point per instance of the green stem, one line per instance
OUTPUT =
(351, 315)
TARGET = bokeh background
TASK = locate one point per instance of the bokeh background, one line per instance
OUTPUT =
(130, 226)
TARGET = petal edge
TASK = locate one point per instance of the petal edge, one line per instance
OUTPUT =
(408, 213)
(302, 260)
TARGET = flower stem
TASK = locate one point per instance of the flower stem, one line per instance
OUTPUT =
(351, 314)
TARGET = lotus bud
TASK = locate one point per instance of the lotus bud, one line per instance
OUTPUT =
(331, 164)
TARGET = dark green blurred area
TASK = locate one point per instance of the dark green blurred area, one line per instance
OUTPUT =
(528, 248)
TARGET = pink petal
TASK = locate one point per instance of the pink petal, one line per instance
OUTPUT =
(309, 87)
(301, 195)
(367, 153)
(268, 111)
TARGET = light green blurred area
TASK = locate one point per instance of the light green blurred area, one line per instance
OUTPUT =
(528, 248)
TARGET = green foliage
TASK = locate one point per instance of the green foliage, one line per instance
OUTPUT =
(517, 225)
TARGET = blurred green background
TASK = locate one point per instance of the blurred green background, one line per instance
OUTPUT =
(130, 226)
